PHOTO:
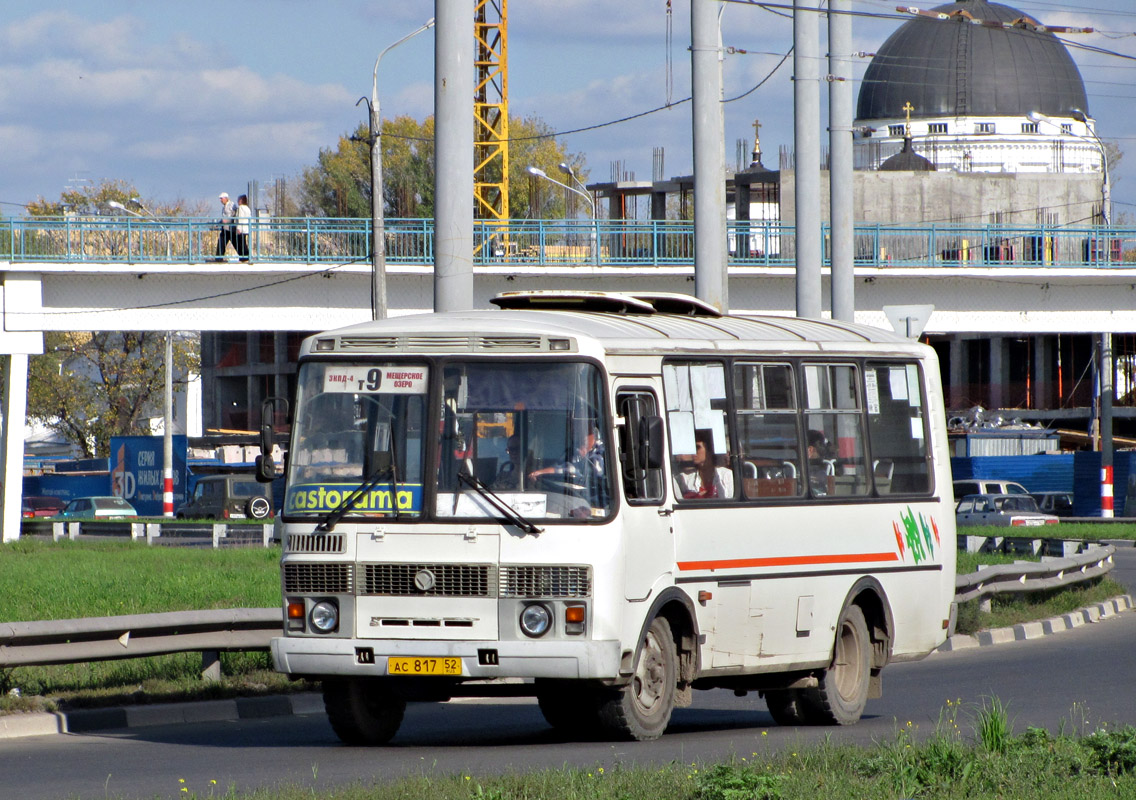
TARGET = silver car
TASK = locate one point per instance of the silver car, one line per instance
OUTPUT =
(1011, 510)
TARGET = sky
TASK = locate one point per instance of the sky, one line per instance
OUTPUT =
(185, 100)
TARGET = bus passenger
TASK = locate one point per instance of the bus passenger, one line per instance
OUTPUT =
(706, 479)
(821, 467)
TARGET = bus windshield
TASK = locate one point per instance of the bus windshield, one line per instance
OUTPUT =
(531, 433)
(530, 436)
(358, 424)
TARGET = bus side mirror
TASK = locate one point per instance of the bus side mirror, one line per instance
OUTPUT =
(265, 468)
(265, 465)
(651, 442)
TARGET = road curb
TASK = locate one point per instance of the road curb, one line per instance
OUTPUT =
(1035, 630)
(14, 726)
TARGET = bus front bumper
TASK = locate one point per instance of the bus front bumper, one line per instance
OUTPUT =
(315, 656)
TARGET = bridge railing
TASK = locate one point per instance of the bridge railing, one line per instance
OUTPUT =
(571, 242)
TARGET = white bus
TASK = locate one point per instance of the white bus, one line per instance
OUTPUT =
(607, 501)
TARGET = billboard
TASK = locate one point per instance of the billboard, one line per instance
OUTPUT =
(136, 468)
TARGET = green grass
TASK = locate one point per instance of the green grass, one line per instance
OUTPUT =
(1090, 531)
(988, 761)
(66, 580)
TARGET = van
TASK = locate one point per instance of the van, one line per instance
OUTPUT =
(982, 486)
(228, 497)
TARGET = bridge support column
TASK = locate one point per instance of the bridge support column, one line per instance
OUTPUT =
(956, 389)
(15, 405)
(1043, 388)
(999, 372)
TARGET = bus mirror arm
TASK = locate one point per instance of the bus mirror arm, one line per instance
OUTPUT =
(651, 442)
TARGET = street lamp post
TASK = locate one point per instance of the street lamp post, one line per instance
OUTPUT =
(120, 207)
(1105, 369)
(378, 243)
(564, 167)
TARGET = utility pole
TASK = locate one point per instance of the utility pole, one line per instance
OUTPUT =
(710, 276)
(806, 147)
(842, 283)
(453, 147)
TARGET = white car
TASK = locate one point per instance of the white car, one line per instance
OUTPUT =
(1011, 510)
(983, 486)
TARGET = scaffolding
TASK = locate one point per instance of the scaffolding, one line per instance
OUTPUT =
(491, 112)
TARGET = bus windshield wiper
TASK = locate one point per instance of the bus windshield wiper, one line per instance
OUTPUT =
(347, 503)
(504, 509)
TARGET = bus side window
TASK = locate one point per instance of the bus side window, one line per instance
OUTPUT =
(768, 431)
(896, 429)
(835, 432)
(697, 418)
(642, 482)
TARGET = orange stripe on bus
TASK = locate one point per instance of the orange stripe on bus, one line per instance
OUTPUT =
(788, 561)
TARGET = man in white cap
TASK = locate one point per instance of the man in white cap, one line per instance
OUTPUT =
(228, 228)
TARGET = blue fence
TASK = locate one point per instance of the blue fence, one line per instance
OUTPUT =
(320, 240)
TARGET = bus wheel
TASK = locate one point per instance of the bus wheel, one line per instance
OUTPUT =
(362, 712)
(843, 690)
(787, 706)
(641, 710)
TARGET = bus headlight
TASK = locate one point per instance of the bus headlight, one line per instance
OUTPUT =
(536, 619)
(324, 616)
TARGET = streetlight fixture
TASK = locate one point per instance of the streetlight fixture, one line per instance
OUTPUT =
(1106, 184)
(120, 207)
(168, 395)
(564, 167)
(378, 244)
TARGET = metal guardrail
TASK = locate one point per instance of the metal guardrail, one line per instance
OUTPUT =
(251, 629)
(218, 534)
(71, 641)
(1050, 573)
(561, 242)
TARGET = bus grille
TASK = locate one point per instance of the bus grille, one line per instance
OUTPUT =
(315, 543)
(449, 580)
(547, 581)
(318, 578)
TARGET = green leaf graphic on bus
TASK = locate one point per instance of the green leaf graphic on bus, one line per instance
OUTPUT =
(918, 535)
(322, 498)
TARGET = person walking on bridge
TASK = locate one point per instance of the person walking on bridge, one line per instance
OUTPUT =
(244, 214)
(228, 231)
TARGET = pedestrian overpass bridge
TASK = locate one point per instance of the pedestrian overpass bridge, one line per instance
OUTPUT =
(315, 274)
(125, 273)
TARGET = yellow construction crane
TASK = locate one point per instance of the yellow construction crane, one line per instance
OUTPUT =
(491, 111)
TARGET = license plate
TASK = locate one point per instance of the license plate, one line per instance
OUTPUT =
(412, 665)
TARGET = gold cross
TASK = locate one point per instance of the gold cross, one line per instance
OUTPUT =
(756, 141)
(908, 108)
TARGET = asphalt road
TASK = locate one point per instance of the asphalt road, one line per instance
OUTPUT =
(1071, 680)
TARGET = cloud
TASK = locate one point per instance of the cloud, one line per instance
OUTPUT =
(90, 96)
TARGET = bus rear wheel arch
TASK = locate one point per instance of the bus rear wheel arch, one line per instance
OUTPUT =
(861, 649)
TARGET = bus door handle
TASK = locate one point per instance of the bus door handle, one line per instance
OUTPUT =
(666, 512)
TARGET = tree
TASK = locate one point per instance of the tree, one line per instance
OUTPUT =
(96, 199)
(340, 183)
(533, 144)
(89, 387)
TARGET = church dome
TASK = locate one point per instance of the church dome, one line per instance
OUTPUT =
(954, 68)
(907, 160)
